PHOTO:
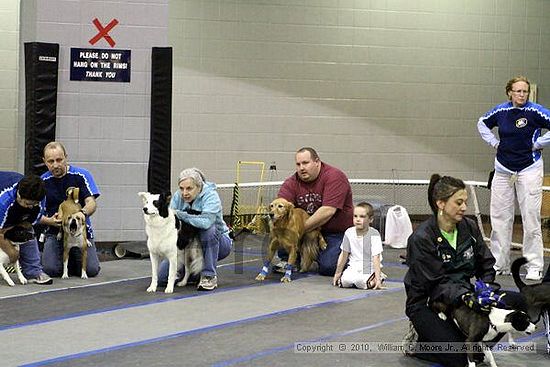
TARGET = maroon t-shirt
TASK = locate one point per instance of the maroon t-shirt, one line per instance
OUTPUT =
(331, 188)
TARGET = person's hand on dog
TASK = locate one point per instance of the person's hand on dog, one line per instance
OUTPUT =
(54, 220)
(486, 292)
(484, 297)
(81, 216)
(475, 303)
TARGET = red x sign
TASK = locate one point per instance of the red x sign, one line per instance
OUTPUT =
(104, 32)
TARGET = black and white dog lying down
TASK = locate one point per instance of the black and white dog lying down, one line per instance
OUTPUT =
(163, 229)
(15, 236)
(484, 327)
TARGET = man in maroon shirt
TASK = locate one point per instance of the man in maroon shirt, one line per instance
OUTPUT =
(324, 192)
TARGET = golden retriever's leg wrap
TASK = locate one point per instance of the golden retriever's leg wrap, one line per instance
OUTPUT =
(288, 267)
(270, 254)
(265, 268)
(288, 273)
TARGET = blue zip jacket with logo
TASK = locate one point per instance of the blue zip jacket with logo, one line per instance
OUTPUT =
(519, 130)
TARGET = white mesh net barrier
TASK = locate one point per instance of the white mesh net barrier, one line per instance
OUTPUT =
(411, 194)
(254, 197)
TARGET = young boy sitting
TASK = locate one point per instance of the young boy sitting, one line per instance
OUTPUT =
(362, 245)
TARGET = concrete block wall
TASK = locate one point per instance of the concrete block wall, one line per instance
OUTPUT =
(104, 125)
(9, 54)
(381, 88)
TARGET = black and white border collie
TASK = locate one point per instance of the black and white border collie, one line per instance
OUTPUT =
(163, 228)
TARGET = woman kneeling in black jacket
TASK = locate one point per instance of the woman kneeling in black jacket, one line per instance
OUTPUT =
(444, 254)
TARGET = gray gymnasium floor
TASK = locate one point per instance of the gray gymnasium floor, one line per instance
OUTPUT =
(112, 321)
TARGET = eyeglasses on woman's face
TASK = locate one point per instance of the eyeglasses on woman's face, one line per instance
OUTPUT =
(520, 91)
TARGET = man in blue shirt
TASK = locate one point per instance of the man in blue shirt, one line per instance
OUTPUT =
(22, 201)
(58, 179)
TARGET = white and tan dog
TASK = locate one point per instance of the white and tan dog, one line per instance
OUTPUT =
(73, 230)
(161, 226)
(14, 237)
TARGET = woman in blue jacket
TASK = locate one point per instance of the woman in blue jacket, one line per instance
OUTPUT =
(197, 203)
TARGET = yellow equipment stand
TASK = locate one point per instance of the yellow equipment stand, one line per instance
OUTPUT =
(257, 211)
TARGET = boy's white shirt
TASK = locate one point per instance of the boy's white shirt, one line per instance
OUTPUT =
(356, 248)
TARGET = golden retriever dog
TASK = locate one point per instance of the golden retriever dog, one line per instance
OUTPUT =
(287, 231)
(73, 230)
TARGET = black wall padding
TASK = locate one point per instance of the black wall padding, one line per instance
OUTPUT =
(41, 65)
(160, 146)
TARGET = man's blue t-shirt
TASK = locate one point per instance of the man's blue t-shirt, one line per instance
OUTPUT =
(56, 190)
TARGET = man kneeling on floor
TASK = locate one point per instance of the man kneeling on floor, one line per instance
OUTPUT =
(58, 179)
(324, 192)
(22, 201)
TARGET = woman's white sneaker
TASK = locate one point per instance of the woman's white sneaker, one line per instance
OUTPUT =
(533, 274)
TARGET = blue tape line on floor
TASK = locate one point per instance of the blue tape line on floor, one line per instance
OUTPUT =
(210, 328)
(270, 351)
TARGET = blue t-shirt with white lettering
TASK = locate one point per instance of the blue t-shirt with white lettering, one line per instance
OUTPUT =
(11, 213)
(56, 190)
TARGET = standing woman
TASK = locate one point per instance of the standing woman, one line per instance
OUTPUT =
(197, 203)
(445, 253)
(518, 174)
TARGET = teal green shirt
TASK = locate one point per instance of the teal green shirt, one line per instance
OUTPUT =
(450, 237)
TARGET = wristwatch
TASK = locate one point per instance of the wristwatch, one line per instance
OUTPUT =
(83, 211)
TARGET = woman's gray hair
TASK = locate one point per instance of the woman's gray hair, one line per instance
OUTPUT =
(194, 174)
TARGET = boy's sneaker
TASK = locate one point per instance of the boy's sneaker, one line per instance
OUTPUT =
(43, 279)
(208, 283)
(533, 274)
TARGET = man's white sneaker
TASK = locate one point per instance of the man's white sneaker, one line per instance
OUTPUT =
(533, 274)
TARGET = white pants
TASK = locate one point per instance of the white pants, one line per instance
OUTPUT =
(351, 277)
(527, 189)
